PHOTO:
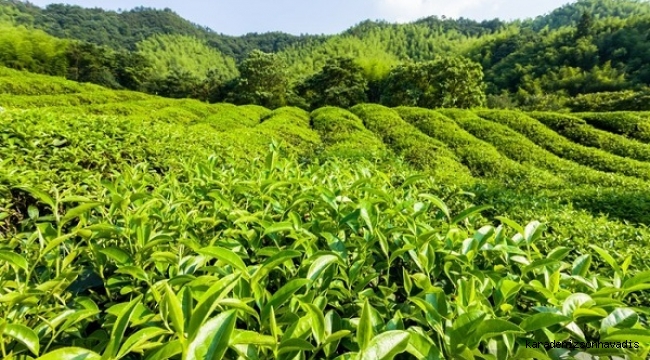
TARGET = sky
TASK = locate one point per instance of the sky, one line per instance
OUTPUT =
(238, 17)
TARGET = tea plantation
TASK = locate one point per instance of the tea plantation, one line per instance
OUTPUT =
(137, 227)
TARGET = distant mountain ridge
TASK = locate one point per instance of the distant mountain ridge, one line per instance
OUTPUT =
(126, 28)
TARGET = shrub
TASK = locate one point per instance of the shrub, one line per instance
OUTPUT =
(631, 124)
(480, 157)
(521, 149)
(345, 136)
(577, 130)
(550, 140)
(415, 147)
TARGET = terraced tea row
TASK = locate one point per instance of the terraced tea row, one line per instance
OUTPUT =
(165, 229)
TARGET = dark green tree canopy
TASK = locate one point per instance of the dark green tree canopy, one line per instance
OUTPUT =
(340, 83)
(444, 82)
(263, 81)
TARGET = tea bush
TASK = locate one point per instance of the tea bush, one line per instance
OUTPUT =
(344, 135)
(411, 144)
(550, 140)
(480, 157)
(631, 124)
(277, 260)
(578, 131)
(521, 149)
(135, 227)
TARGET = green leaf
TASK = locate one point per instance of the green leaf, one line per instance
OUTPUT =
(14, 259)
(640, 278)
(55, 243)
(209, 301)
(294, 345)
(518, 228)
(495, 327)
(412, 180)
(422, 347)
(32, 212)
(607, 257)
(619, 318)
(581, 265)
(542, 321)
(133, 271)
(467, 213)
(174, 311)
(639, 335)
(282, 295)
(534, 354)
(23, 335)
(317, 321)
(119, 328)
(213, 338)
(70, 353)
(437, 202)
(41, 196)
(78, 211)
(279, 227)
(252, 338)
(239, 305)
(120, 256)
(320, 264)
(337, 336)
(166, 351)
(575, 301)
(365, 330)
(274, 261)
(225, 255)
(386, 346)
(533, 232)
(139, 338)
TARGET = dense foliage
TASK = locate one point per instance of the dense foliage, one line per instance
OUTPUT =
(443, 82)
(589, 55)
(138, 227)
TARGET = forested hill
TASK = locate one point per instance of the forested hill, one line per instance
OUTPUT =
(569, 15)
(586, 55)
(126, 28)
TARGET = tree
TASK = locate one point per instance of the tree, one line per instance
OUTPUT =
(132, 70)
(179, 84)
(443, 82)
(585, 26)
(263, 81)
(91, 63)
(339, 83)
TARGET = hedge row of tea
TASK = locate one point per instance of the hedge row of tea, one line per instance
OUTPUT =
(134, 227)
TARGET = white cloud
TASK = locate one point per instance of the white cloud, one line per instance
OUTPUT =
(409, 10)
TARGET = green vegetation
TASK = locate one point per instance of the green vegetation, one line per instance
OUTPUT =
(134, 226)
(31, 50)
(481, 158)
(444, 82)
(169, 53)
(550, 140)
(589, 55)
(630, 124)
(415, 147)
(344, 135)
(305, 219)
(578, 131)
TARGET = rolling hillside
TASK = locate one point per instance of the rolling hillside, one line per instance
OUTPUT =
(138, 227)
